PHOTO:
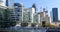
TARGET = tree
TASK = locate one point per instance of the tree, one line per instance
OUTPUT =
(50, 25)
(33, 24)
(24, 24)
(43, 23)
(5, 22)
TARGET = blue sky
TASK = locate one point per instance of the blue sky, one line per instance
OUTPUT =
(42, 4)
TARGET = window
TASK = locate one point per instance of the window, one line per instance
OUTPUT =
(18, 10)
(17, 19)
(18, 15)
(59, 25)
(13, 17)
(29, 21)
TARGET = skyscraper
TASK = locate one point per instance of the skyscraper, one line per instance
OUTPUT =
(6, 2)
(55, 14)
(2, 2)
(9, 2)
(34, 6)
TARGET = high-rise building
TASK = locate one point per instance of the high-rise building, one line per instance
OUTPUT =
(2, 13)
(37, 18)
(29, 14)
(19, 11)
(9, 2)
(55, 14)
(2, 2)
(34, 6)
(26, 15)
(6, 2)
(16, 13)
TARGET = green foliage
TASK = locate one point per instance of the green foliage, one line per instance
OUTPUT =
(24, 24)
(33, 24)
(50, 25)
(13, 23)
(5, 22)
(43, 23)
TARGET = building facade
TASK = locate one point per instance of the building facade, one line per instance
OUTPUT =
(6, 3)
(2, 2)
(37, 18)
(55, 14)
(44, 18)
(16, 13)
(34, 6)
(2, 10)
(10, 2)
(28, 14)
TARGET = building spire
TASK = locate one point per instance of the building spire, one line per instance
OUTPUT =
(34, 6)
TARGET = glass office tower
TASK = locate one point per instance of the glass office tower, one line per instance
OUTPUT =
(6, 2)
(55, 14)
(9, 2)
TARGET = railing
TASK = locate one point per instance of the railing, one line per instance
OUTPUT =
(24, 29)
(28, 29)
